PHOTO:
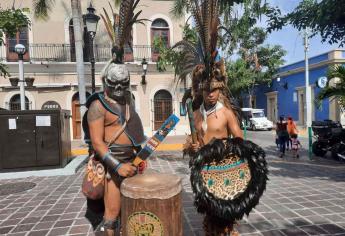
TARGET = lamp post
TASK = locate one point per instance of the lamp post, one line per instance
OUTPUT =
(308, 92)
(144, 66)
(91, 24)
(20, 50)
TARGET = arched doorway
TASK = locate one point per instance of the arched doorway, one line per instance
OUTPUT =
(15, 103)
(162, 103)
(76, 119)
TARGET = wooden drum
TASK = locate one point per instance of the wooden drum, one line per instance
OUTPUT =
(151, 205)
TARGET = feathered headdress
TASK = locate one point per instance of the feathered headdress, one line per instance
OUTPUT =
(203, 61)
(120, 30)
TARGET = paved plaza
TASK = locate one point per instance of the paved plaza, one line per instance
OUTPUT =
(303, 197)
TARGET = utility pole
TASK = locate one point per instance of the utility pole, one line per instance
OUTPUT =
(308, 92)
(77, 25)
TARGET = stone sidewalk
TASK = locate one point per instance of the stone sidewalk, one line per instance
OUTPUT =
(302, 198)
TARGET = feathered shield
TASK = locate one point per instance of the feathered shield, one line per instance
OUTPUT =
(228, 178)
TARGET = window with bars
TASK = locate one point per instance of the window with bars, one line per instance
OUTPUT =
(162, 103)
(22, 37)
(14, 104)
(159, 29)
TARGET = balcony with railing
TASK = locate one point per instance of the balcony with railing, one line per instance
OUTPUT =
(66, 53)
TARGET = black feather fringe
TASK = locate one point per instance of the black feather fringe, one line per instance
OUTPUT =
(229, 210)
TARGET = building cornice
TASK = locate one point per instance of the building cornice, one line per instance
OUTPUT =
(271, 93)
(69, 68)
(312, 66)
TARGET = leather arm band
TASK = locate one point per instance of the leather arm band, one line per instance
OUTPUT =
(110, 161)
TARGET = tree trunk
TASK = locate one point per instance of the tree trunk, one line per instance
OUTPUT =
(78, 36)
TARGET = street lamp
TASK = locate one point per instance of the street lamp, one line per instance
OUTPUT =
(282, 84)
(144, 66)
(20, 50)
(91, 25)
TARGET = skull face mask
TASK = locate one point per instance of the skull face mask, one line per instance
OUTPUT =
(116, 81)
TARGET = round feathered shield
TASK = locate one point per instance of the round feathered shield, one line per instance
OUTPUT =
(228, 178)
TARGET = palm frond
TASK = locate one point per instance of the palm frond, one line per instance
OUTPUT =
(42, 8)
(337, 90)
(108, 26)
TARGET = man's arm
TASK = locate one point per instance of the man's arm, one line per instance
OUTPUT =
(95, 119)
(232, 123)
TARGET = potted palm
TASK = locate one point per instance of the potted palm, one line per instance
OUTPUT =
(14, 81)
(29, 81)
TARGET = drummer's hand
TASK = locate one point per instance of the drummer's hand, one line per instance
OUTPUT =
(126, 170)
(142, 166)
(196, 146)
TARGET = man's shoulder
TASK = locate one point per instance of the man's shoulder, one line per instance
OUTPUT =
(227, 111)
(95, 103)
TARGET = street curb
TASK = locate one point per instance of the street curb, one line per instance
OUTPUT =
(70, 169)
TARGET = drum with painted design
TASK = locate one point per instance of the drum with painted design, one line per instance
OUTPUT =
(151, 205)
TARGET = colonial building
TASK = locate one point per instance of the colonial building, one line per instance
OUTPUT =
(50, 61)
(286, 94)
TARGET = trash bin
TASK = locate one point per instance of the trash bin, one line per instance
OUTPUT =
(34, 139)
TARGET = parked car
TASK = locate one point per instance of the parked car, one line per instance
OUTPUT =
(330, 136)
(255, 119)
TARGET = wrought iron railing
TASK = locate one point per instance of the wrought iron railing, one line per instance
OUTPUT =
(15, 106)
(66, 53)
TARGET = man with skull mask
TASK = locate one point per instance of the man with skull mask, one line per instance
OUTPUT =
(111, 113)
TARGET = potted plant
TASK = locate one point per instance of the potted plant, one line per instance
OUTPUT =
(14, 81)
(29, 81)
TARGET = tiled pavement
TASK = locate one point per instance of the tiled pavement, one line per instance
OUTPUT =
(302, 198)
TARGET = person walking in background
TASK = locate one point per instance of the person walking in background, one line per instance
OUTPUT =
(295, 145)
(292, 130)
(283, 135)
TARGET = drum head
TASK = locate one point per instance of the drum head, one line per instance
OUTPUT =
(151, 185)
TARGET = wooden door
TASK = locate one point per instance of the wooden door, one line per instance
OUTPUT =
(301, 108)
(21, 37)
(272, 116)
(162, 108)
(76, 119)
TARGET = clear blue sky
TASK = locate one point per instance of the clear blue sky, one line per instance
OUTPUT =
(292, 40)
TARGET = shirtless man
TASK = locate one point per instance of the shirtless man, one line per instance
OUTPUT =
(214, 120)
(106, 116)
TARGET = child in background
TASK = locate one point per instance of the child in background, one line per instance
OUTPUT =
(295, 145)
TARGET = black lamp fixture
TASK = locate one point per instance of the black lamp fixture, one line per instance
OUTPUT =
(144, 66)
(283, 84)
(91, 20)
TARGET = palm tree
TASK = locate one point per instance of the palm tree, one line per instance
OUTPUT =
(42, 8)
(225, 7)
(336, 74)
